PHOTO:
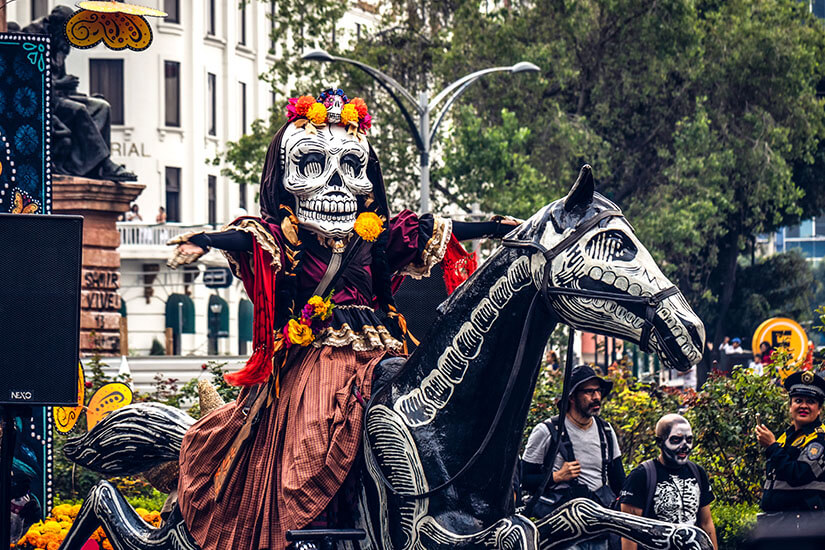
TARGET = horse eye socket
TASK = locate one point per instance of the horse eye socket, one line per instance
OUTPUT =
(611, 245)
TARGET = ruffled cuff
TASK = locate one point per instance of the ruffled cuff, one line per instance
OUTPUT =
(261, 235)
(433, 251)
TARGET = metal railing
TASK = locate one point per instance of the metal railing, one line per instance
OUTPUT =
(155, 234)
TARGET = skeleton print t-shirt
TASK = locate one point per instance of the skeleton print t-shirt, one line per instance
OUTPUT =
(678, 495)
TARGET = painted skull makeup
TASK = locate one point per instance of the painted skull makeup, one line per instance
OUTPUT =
(326, 172)
(678, 444)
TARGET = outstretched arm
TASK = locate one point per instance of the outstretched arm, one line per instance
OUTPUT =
(192, 247)
(499, 227)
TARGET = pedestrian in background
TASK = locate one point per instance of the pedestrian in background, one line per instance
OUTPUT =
(589, 462)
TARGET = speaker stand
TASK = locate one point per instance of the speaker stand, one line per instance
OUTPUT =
(9, 413)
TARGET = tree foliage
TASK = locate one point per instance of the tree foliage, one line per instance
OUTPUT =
(702, 119)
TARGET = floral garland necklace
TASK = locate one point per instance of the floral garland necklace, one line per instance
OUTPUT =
(316, 315)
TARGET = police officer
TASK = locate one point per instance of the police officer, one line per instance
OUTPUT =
(796, 461)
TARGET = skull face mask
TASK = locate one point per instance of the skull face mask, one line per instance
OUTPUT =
(326, 172)
(677, 444)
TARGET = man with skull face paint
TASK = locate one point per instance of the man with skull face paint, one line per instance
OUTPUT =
(276, 459)
(670, 488)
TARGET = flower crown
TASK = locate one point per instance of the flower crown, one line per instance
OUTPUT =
(331, 107)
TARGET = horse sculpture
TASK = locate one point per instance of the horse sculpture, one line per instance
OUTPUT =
(443, 428)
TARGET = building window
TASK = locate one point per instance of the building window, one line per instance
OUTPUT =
(212, 99)
(243, 107)
(172, 9)
(212, 190)
(40, 8)
(242, 196)
(272, 15)
(106, 77)
(210, 17)
(819, 226)
(172, 194)
(242, 24)
(171, 79)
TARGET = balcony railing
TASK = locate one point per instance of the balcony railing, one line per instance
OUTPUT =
(155, 234)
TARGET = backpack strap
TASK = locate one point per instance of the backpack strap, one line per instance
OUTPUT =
(606, 444)
(650, 479)
(565, 450)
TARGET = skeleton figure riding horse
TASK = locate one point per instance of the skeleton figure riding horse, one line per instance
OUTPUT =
(442, 428)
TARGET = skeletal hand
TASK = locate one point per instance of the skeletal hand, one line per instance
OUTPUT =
(764, 436)
(185, 253)
(568, 471)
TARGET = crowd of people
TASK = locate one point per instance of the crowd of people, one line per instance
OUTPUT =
(670, 488)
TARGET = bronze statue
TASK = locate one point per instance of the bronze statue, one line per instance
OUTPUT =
(80, 123)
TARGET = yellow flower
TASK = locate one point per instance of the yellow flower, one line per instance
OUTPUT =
(299, 333)
(75, 510)
(51, 527)
(323, 308)
(349, 115)
(317, 114)
(369, 226)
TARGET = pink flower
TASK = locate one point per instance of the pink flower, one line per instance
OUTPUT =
(365, 123)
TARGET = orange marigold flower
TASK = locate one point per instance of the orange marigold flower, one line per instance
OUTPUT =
(317, 114)
(349, 115)
(106, 545)
(303, 104)
(368, 226)
(359, 105)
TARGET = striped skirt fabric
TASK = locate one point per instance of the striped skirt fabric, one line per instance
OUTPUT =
(293, 465)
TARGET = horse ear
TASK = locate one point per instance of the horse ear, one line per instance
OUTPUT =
(581, 194)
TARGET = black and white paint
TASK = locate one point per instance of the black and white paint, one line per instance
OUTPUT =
(326, 170)
(431, 429)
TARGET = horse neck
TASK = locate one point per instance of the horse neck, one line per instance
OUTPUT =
(455, 382)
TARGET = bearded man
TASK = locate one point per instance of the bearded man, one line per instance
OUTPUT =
(670, 488)
(589, 462)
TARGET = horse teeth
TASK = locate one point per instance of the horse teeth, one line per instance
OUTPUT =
(621, 283)
(634, 289)
(610, 306)
(608, 277)
(596, 273)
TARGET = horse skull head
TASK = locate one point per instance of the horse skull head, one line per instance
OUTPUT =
(609, 258)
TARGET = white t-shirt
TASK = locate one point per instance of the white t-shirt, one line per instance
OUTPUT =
(586, 448)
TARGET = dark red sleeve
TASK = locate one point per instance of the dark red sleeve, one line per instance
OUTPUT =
(409, 235)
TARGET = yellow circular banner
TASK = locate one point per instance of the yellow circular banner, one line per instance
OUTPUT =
(782, 332)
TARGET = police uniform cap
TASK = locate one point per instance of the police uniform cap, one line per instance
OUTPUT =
(806, 384)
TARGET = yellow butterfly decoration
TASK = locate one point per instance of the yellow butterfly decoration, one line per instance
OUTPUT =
(23, 203)
(117, 24)
(66, 417)
(106, 399)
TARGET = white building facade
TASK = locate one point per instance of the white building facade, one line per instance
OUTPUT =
(174, 107)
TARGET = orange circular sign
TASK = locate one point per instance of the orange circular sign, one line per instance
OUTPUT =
(782, 332)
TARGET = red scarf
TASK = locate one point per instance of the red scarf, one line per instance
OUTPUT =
(259, 366)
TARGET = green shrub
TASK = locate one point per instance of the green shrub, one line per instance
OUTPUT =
(723, 416)
(732, 522)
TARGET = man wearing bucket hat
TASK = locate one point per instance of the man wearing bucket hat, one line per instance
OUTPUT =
(589, 461)
(796, 460)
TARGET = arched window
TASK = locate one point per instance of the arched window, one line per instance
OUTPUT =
(217, 322)
(180, 317)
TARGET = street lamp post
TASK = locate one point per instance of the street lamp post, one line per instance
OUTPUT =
(422, 133)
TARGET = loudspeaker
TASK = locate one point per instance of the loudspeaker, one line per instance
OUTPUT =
(39, 308)
(417, 300)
